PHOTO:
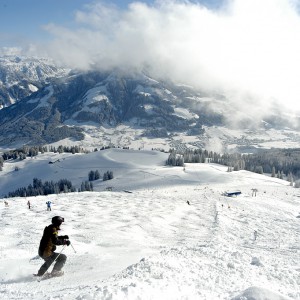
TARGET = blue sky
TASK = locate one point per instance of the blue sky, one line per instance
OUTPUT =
(22, 21)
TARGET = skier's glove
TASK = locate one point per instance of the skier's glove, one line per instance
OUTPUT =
(65, 237)
(67, 242)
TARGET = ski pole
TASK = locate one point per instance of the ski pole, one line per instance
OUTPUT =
(54, 260)
(56, 257)
(73, 248)
(59, 253)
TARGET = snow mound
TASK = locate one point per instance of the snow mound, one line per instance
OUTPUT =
(258, 293)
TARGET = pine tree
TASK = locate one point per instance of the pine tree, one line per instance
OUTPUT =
(110, 175)
(105, 176)
(97, 175)
(290, 179)
(281, 175)
(259, 170)
(236, 168)
(91, 175)
(273, 172)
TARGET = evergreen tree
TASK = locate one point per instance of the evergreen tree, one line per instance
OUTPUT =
(281, 175)
(273, 172)
(1, 163)
(97, 175)
(110, 175)
(259, 170)
(291, 181)
(236, 167)
(105, 176)
(91, 175)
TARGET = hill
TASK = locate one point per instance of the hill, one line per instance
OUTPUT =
(143, 241)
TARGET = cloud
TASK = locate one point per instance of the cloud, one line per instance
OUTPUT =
(245, 49)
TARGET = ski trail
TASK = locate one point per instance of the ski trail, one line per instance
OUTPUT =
(178, 267)
(273, 227)
(152, 243)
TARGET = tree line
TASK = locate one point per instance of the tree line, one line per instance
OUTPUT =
(281, 163)
(31, 151)
(92, 176)
(38, 187)
(95, 175)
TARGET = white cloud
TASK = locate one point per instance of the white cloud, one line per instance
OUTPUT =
(248, 47)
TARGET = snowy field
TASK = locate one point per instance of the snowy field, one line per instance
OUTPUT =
(143, 241)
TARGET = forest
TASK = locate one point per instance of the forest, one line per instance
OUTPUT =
(282, 163)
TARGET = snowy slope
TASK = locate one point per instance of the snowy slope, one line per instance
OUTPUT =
(149, 243)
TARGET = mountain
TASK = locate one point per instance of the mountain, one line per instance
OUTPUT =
(126, 109)
(60, 109)
(142, 240)
(21, 76)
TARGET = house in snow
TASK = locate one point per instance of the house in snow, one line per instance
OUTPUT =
(232, 193)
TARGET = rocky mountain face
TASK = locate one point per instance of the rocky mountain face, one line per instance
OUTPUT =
(21, 76)
(59, 109)
(43, 104)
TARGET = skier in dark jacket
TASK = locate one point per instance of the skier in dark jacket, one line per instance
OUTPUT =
(48, 244)
(48, 205)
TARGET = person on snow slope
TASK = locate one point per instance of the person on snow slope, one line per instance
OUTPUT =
(48, 243)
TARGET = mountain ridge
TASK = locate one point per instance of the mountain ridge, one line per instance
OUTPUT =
(20, 76)
(92, 108)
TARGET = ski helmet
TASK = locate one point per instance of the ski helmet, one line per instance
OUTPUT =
(57, 220)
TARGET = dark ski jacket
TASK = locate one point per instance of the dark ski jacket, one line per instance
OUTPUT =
(49, 241)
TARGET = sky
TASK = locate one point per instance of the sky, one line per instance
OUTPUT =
(247, 50)
(143, 241)
(22, 21)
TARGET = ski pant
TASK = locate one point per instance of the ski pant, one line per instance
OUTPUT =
(59, 263)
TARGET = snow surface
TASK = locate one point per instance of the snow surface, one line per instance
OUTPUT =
(143, 241)
(185, 113)
(43, 102)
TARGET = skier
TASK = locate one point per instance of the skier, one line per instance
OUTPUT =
(48, 205)
(255, 235)
(48, 245)
(28, 203)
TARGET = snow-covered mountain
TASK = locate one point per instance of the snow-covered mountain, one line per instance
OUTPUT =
(21, 76)
(62, 108)
(142, 240)
(95, 109)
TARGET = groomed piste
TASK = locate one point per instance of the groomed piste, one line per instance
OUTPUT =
(141, 239)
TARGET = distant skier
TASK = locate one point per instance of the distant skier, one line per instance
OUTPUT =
(48, 205)
(28, 203)
(48, 245)
(255, 235)
(6, 203)
(188, 202)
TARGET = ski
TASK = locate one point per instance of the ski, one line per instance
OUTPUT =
(48, 276)
(39, 278)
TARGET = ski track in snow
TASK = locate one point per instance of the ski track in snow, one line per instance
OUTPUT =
(150, 244)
